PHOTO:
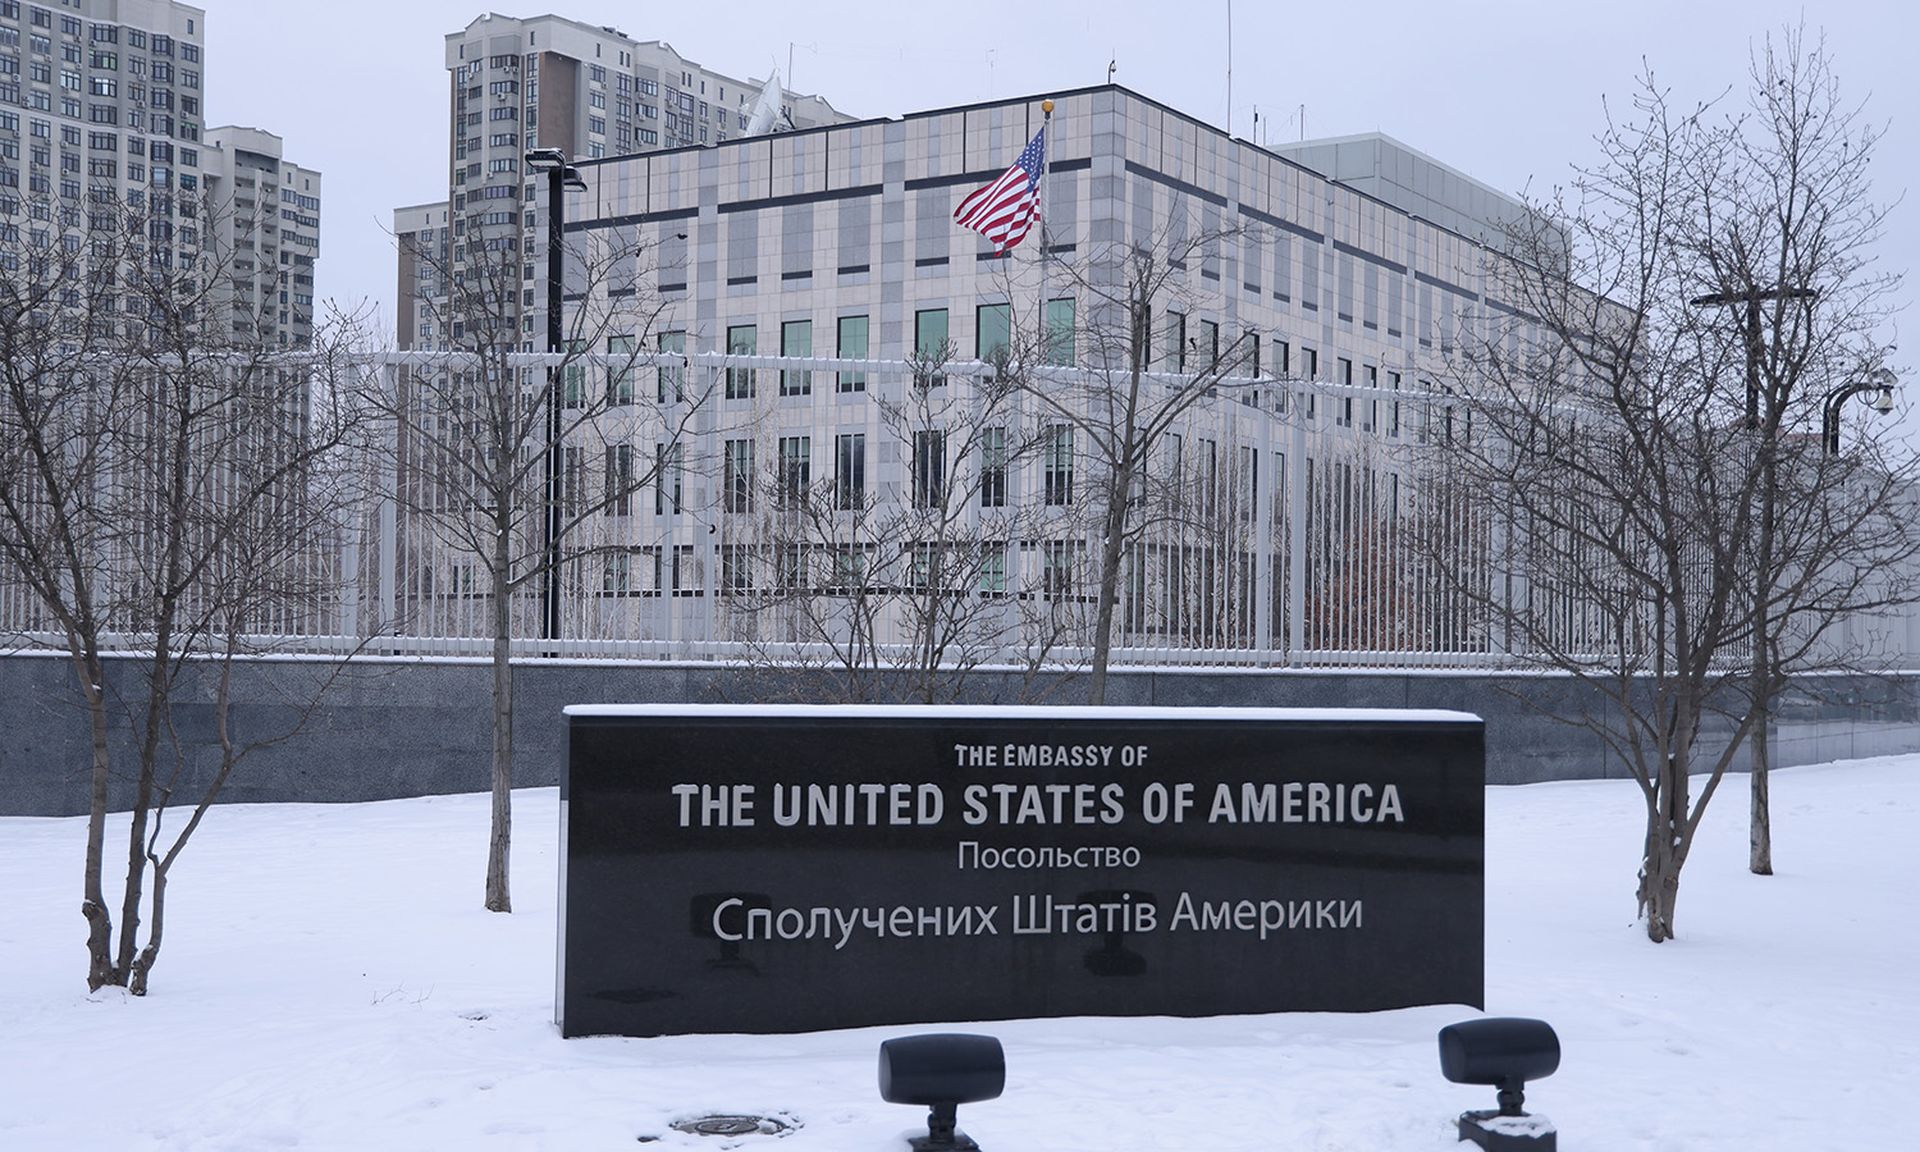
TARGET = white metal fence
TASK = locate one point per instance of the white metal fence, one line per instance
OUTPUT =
(1282, 523)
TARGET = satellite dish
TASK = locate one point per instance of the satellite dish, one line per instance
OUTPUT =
(766, 110)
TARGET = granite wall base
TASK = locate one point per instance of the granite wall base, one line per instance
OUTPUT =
(390, 729)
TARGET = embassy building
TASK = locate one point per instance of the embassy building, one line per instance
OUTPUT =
(1342, 292)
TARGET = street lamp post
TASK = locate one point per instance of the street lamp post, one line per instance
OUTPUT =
(1753, 298)
(1880, 383)
(561, 175)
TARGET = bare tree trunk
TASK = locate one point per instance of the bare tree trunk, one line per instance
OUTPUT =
(137, 972)
(157, 704)
(1113, 527)
(1659, 883)
(1119, 488)
(93, 904)
(1759, 824)
(1665, 850)
(499, 841)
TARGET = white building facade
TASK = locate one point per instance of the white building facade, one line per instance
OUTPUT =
(838, 244)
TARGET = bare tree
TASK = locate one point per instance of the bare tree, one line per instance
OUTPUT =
(1117, 400)
(902, 590)
(167, 489)
(1785, 233)
(1627, 494)
(481, 441)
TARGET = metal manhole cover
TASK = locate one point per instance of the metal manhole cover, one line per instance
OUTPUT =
(736, 1126)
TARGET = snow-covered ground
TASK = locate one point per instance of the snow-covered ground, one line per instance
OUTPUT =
(330, 981)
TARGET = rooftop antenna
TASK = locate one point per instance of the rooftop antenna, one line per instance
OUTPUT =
(1111, 65)
(1229, 67)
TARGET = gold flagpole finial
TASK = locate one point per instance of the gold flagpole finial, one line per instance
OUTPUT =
(1046, 106)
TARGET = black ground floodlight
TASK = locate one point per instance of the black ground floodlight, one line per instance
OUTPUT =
(1504, 1052)
(941, 1071)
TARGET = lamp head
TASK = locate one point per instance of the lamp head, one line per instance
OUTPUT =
(1884, 379)
(545, 157)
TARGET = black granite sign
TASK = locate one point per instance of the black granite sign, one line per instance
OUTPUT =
(767, 869)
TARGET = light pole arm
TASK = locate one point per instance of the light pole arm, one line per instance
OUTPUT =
(1836, 400)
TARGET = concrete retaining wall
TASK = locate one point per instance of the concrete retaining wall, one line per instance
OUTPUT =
(412, 728)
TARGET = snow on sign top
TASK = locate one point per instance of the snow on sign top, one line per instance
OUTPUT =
(1019, 712)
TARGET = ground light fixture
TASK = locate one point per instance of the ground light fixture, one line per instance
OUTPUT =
(1504, 1052)
(941, 1071)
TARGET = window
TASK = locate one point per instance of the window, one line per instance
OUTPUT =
(1057, 464)
(575, 391)
(1393, 410)
(736, 567)
(573, 473)
(1206, 345)
(795, 468)
(738, 476)
(1060, 325)
(620, 376)
(929, 468)
(993, 468)
(673, 378)
(925, 564)
(1310, 361)
(992, 332)
(796, 339)
(1345, 418)
(993, 568)
(741, 341)
(852, 346)
(1056, 570)
(1173, 343)
(849, 567)
(930, 347)
(616, 574)
(666, 474)
(618, 497)
(790, 566)
(850, 471)
(1373, 403)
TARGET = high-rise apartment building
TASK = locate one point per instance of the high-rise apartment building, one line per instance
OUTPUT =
(267, 221)
(550, 82)
(421, 232)
(102, 102)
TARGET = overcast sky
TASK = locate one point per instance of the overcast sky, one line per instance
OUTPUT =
(1508, 92)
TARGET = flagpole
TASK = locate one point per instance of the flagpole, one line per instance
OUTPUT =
(1046, 162)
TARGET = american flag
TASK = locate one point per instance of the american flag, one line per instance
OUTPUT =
(1004, 210)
